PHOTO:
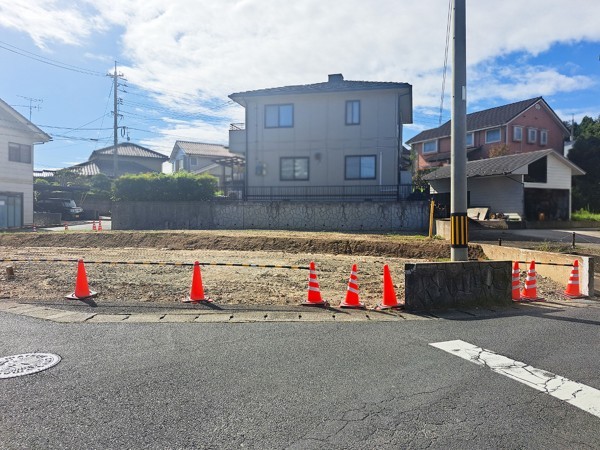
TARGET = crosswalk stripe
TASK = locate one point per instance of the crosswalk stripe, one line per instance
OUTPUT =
(572, 392)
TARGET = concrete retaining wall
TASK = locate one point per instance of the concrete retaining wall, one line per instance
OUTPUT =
(45, 219)
(431, 286)
(559, 273)
(92, 208)
(364, 216)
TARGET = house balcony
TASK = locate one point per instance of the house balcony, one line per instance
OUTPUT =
(237, 138)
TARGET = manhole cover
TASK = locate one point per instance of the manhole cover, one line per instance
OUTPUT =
(27, 363)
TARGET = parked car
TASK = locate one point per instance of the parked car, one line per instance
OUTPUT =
(65, 206)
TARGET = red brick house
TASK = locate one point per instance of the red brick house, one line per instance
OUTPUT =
(520, 127)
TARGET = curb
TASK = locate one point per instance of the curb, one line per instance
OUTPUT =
(236, 316)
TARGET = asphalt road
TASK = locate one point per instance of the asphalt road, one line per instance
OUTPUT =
(299, 385)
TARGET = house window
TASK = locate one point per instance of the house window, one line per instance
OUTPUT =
(19, 153)
(279, 116)
(517, 134)
(193, 161)
(353, 112)
(492, 136)
(531, 135)
(430, 147)
(537, 172)
(543, 137)
(470, 140)
(293, 169)
(360, 167)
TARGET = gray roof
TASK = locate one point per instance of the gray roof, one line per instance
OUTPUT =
(336, 83)
(501, 165)
(203, 149)
(96, 167)
(128, 149)
(21, 123)
(488, 118)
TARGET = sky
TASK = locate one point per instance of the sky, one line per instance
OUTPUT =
(180, 59)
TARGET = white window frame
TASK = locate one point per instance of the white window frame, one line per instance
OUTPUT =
(532, 135)
(488, 140)
(517, 133)
(472, 143)
(435, 143)
(543, 137)
(20, 153)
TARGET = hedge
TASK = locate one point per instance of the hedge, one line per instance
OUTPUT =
(181, 186)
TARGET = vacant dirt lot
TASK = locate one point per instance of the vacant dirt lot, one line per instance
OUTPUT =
(333, 254)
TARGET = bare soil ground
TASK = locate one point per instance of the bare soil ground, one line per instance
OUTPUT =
(333, 254)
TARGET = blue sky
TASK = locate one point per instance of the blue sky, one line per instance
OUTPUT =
(181, 59)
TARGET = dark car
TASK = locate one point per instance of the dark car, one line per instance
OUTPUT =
(65, 206)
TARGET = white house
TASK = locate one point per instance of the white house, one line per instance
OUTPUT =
(17, 138)
(529, 186)
(338, 138)
(201, 157)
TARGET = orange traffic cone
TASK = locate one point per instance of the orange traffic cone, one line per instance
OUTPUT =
(352, 300)
(196, 290)
(314, 292)
(94, 225)
(529, 292)
(82, 289)
(389, 294)
(572, 290)
(99, 224)
(516, 281)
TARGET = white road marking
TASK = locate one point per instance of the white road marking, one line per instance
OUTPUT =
(576, 394)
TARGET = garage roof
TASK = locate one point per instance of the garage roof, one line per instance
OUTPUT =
(502, 165)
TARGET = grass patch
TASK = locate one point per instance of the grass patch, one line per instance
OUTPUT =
(583, 214)
(553, 247)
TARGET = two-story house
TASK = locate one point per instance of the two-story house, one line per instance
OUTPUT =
(202, 157)
(17, 138)
(520, 127)
(339, 139)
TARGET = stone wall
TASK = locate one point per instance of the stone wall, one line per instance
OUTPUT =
(450, 285)
(363, 216)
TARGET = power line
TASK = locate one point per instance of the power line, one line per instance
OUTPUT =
(45, 60)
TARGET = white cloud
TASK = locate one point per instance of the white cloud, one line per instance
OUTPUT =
(197, 53)
(48, 21)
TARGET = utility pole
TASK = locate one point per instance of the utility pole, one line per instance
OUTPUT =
(115, 76)
(458, 151)
(31, 102)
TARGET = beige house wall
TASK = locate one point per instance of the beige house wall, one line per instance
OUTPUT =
(320, 133)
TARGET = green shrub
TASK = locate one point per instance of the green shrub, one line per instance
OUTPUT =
(584, 214)
(181, 186)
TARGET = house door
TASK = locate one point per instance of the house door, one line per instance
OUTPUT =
(546, 204)
(11, 210)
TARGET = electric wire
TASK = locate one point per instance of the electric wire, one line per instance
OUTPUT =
(448, 21)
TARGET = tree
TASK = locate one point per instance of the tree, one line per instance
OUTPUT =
(586, 188)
